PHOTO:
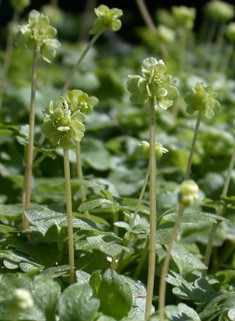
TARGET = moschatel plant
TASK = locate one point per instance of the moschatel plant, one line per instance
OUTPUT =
(138, 222)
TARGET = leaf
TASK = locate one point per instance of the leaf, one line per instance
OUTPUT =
(76, 304)
(115, 295)
(100, 202)
(185, 260)
(46, 293)
(194, 217)
(82, 277)
(181, 313)
(56, 271)
(8, 129)
(9, 282)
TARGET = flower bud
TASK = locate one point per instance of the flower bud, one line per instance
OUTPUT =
(188, 192)
(20, 5)
(80, 101)
(22, 299)
(184, 16)
(54, 13)
(230, 31)
(159, 149)
(220, 10)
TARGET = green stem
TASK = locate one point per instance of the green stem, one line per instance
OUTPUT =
(69, 212)
(142, 259)
(227, 57)
(218, 212)
(75, 68)
(166, 263)
(80, 175)
(153, 213)
(132, 224)
(29, 164)
(196, 131)
(218, 46)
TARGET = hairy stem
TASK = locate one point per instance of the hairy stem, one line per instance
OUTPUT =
(80, 175)
(29, 164)
(166, 263)
(196, 131)
(219, 211)
(69, 212)
(153, 212)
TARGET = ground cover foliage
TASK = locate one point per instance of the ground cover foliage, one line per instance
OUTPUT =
(105, 141)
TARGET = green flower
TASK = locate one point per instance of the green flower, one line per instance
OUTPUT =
(159, 149)
(61, 126)
(55, 15)
(220, 10)
(184, 17)
(154, 82)
(38, 32)
(230, 31)
(202, 98)
(188, 192)
(78, 100)
(20, 5)
(106, 19)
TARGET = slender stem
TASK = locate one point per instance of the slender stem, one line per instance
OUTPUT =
(203, 30)
(69, 212)
(132, 224)
(166, 263)
(218, 46)
(227, 58)
(75, 68)
(142, 259)
(80, 175)
(196, 131)
(153, 213)
(29, 164)
(218, 212)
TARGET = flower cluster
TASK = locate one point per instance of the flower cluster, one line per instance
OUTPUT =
(20, 5)
(54, 13)
(202, 98)
(80, 101)
(61, 126)
(188, 192)
(152, 83)
(40, 34)
(159, 149)
(184, 17)
(106, 19)
(63, 121)
(220, 10)
(230, 31)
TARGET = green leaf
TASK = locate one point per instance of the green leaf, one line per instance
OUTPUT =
(76, 304)
(181, 313)
(194, 217)
(115, 295)
(56, 271)
(185, 260)
(100, 202)
(46, 293)
(9, 282)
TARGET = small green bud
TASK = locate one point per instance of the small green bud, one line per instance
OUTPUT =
(202, 98)
(166, 34)
(153, 83)
(220, 10)
(188, 192)
(164, 17)
(159, 149)
(22, 300)
(106, 19)
(80, 101)
(20, 5)
(62, 126)
(184, 17)
(230, 31)
(54, 13)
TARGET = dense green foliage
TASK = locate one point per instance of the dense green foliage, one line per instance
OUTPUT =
(109, 235)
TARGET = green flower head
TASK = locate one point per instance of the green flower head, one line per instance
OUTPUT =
(184, 17)
(202, 98)
(54, 13)
(159, 149)
(153, 83)
(188, 192)
(106, 19)
(220, 10)
(230, 31)
(38, 32)
(61, 126)
(80, 101)
(20, 5)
